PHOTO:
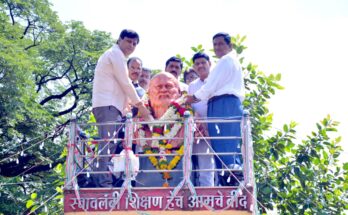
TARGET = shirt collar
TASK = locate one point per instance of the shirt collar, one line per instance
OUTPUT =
(117, 47)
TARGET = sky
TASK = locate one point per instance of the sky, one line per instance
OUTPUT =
(304, 40)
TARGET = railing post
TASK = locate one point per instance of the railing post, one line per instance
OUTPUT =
(128, 144)
(248, 163)
(188, 140)
(70, 165)
(246, 146)
(80, 149)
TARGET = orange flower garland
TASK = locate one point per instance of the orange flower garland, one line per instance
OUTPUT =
(175, 112)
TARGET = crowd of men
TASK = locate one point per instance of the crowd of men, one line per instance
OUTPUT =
(121, 82)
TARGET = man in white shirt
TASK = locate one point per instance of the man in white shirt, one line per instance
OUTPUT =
(112, 93)
(174, 67)
(201, 65)
(224, 90)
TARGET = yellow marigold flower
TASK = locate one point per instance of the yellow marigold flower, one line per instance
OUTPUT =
(176, 159)
(181, 150)
(153, 161)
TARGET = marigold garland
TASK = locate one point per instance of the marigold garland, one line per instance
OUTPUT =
(175, 111)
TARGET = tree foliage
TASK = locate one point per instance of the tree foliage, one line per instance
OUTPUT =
(46, 73)
(46, 70)
(292, 176)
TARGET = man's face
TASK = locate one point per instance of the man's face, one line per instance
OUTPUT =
(191, 76)
(202, 67)
(163, 90)
(127, 45)
(134, 69)
(144, 79)
(174, 68)
(221, 48)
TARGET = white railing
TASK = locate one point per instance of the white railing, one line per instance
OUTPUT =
(79, 161)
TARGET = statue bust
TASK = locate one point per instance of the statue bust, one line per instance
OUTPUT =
(164, 89)
(163, 95)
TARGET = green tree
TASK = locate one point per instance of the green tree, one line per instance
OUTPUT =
(293, 176)
(46, 70)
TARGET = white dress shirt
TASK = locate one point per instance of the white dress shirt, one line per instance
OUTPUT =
(203, 146)
(183, 87)
(201, 107)
(225, 78)
(111, 85)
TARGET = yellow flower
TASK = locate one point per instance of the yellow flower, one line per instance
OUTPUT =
(181, 150)
(161, 163)
(170, 166)
(153, 161)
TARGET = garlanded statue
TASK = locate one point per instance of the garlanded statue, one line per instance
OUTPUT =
(165, 103)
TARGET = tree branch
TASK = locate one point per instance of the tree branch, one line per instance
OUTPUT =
(59, 96)
(11, 12)
(36, 36)
(26, 29)
(71, 108)
(31, 46)
(44, 81)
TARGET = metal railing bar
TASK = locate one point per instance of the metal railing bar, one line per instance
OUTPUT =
(169, 155)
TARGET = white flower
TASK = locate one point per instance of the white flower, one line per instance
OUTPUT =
(155, 143)
(170, 114)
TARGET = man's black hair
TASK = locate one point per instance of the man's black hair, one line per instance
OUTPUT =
(188, 72)
(174, 59)
(133, 58)
(130, 34)
(226, 37)
(200, 55)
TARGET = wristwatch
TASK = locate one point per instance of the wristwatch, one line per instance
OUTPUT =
(195, 98)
